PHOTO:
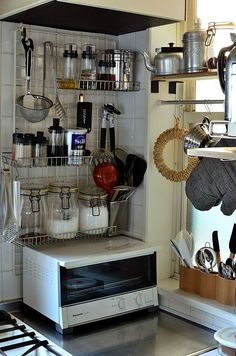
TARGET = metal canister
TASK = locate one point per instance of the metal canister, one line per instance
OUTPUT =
(194, 50)
(121, 65)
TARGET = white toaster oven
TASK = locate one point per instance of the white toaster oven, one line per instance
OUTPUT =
(78, 282)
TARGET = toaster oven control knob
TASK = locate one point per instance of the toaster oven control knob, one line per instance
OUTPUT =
(140, 300)
(121, 303)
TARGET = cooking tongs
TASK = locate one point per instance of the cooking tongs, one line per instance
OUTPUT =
(108, 122)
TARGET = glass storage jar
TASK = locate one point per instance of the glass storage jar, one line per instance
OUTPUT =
(93, 210)
(63, 215)
(34, 211)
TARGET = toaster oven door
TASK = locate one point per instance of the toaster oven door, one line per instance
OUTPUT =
(106, 279)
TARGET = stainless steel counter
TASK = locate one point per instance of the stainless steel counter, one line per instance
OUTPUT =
(151, 334)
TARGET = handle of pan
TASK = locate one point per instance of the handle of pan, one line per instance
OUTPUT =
(112, 138)
(103, 137)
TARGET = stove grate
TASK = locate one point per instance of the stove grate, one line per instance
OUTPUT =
(16, 336)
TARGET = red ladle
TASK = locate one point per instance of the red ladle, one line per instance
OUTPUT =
(106, 176)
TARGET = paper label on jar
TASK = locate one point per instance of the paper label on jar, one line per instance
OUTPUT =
(78, 141)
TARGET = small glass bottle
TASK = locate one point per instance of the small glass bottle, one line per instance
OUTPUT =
(70, 66)
(28, 150)
(34, 211)
(93, 217)
(18, 147)
(40, 150)
(63, 215)
(88, 66)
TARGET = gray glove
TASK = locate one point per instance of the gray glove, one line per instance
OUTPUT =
(213, 182)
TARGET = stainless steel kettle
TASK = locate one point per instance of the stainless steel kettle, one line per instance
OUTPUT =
(168, 60)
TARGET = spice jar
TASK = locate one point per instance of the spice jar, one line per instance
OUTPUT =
(18, 147)
(28, 149)
(40, 150)
(63, 215)
(93, 210)
(88, 64)
(34, 211)
(70, 66)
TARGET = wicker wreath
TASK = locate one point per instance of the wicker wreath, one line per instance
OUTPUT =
(174, 133)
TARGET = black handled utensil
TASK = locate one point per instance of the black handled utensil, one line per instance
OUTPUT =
(232, 242)
(216, 247)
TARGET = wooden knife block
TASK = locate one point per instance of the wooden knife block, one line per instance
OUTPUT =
(208, 285)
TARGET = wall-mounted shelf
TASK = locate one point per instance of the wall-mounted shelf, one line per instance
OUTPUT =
(185, 76)
(172, 79)
(223, 153)
(109, 85)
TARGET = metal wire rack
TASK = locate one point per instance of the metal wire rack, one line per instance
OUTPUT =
(92, 234)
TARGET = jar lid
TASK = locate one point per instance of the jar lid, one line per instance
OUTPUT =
(77, 131)
(58, 187)
(226, 337)
(89, 193)
(33, 189)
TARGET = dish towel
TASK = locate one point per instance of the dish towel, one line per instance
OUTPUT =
(212, 182)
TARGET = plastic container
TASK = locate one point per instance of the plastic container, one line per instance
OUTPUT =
(34, 211)
(63, 215)
(227, 341)
(93, 209)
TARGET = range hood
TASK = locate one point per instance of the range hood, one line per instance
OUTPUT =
(95, 16)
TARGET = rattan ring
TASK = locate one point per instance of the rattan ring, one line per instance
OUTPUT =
(171, 134)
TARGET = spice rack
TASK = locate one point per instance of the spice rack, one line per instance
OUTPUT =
(108, 85)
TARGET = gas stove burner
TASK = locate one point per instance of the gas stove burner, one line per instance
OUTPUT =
(18, 339)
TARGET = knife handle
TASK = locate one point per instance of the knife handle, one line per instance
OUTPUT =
(216, 247)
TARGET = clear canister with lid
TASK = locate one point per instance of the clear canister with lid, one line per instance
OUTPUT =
(34, 211)
(63, 215)
(93, 210)
(70, 66)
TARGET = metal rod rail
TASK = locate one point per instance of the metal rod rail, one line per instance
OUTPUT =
(189, 101)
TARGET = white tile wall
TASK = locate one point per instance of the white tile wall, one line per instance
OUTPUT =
(130, 126)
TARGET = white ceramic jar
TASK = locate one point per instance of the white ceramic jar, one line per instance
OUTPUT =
(93, 209)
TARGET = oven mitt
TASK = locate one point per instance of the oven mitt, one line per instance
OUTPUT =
(212, 182)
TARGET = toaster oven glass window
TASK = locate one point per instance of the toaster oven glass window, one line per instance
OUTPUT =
(107, 279)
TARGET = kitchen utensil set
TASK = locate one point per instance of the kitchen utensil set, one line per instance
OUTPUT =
(181, 248)
(206, 258)
(34, 108)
